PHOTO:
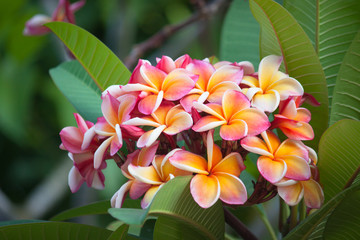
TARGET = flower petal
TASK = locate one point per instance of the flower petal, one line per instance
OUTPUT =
(207, 198)
(146, 155)
(138, 188)
(206, 123)
(116, 142)
(229, 73)
(267, 102)
(152, 75)
(150, 103)
(72, 138)
(217, 92)
(160, 114)
(256, 145)
(232, 189)
(313, 194)
(100, 152)
(189, 162)
(214, 154)
(118, 198)
(145, 174)
(271, 170)
(75, 180)
(296, 130)
(150, 137)
(234, 101)
(177, 84)
(149, 196)
(250, 81)
(272, 141)
(127, 104)
(235, 130)
(303, 115)
(166, 64)
(146, 121)
(256, 120)
(177, 122)
(292, 147)
(291, 194)
(187, 101)
(287, 87)
(232, 164)
(109, 108)
(297, 168)
(268, 67)
(211, 108)
(204, 70)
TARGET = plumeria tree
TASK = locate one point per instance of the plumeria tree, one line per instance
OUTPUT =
(201, 140)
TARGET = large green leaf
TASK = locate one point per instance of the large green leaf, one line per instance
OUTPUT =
(120, 233)
(240, 34)
(93, 208)
(174, 201)
(331, 26)
(346, 102)
(282, 35)
(339, 156)
(100, 62)
(344, 222)
(307, 227)
(53, 230)
(78, 87)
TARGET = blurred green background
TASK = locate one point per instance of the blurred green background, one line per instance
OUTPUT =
(33, 173)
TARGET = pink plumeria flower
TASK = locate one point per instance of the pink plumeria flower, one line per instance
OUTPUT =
(157, 85)
(142, 158)
(156, 175)
(167, 65)
(293, 191)
(271, 86)
(293, 121)
(81, 143)
(278, 160)
(168, 119)
(63, 13)
(212, 83)
(111, 126)
(215, 178)
(247, 66)
(234, 115)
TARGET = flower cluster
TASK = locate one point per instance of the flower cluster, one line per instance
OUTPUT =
(192, 117)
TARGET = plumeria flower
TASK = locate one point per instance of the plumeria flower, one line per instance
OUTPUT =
(167, 65)
(168, 119)
(293, 191)
(234, 115)
(156, 175)
(215, 178)
(81, 143)
(142, 158)
(157, 85)
(111, 126)
(271, 86)
(293, 121)
(212, 83)
(278, 160)
(248, 67)
(63, 13)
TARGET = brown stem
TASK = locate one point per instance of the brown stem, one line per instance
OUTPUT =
(238, 226)
(351, 180)
(156, 40)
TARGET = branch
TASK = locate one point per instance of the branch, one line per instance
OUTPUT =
(238, 226)
(156, 40)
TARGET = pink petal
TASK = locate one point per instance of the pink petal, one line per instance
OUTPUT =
(207, 198)
(145, 174)
(206, 123)
(211, 108)
(118, 198)
(136, 76)
(138, 189)
(271, 170)
(177, 122)
(267, 102)
(146, 155)
(297, 168)
(166, 64)
(152, 75)
(268, 67)
(188, 161)
(291, 194)
(235, 130)
(255, 145)
(34, 26)
(296, 130)
(228, 73)
(313, 194)
(217, 92)
(88, 138)
(161, 113)
(72, 139)
(98, 180)
(75, 180)
(100, 152)
(109, 108)
(256, 120)
(303, 115)
(182, 61)
(177, 84)
(234, 101)
(81, 123)
(187, 101)
(150, 103)
(232, 189)
(232, 164)
(204, 70)
(127, 104)
(116, 142)
(103, 128)
(150, 137)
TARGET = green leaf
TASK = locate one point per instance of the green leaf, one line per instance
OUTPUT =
(339, 156)
(346, 102)
(344, 221)
(104, 67)
(120, 233)
(94, 208)
(331, 26)
(22, 221)
(174, 201)
(53, 230)
(240, 35)
(77, 86)
(282, 35)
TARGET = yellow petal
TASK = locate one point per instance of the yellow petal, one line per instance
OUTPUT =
(189, 162)
(232, 189)
(145, 174)
(231, 164)
(268, 67)
(205, 190)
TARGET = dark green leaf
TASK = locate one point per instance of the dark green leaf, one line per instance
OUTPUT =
(94, 208)
(78, 87)
(346, 102)
(339, 156)
(99, 61)
(53, 230)
(282, 35)
(13, 222)
(120, 233)
(129, 215)
(240, 35)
